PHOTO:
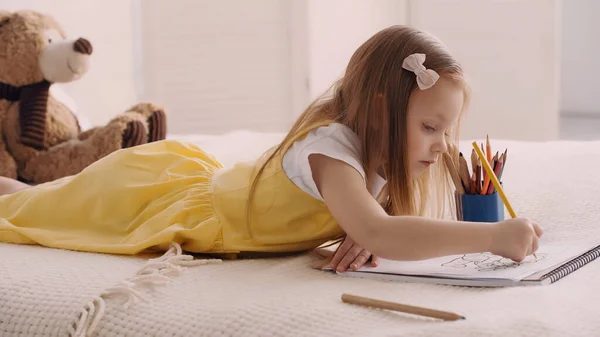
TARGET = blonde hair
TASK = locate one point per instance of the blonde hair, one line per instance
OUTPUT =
(372, 100)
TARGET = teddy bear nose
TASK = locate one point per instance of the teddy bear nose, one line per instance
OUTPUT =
(83, 46)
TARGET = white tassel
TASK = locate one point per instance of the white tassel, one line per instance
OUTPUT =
(154, 272)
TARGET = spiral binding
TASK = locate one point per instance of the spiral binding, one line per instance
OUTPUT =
(572, 265)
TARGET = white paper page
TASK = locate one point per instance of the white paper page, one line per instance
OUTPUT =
(482, 265)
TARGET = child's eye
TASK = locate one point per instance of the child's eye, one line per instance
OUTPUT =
(429, 127)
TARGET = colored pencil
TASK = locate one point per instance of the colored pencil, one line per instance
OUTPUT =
(486, 182)
(495, 181)
(503, 164)
(464, 172)
(409, 309)
(478, 173)
(474, 169)
(453, 173)
(482, 171)
(497, 167)
(473, 178)
(488, 149)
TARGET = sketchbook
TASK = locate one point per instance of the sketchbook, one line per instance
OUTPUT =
(551, 263)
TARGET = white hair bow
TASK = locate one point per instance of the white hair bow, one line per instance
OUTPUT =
(426, 78)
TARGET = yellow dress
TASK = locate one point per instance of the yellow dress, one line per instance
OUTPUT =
(143, 198)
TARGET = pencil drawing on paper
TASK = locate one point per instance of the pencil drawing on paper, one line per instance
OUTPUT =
(490, 262)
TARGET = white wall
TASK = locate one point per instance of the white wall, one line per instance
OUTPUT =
(510, 50)
(218, 66)
(336, 28)
(580, 57)
(108, 88)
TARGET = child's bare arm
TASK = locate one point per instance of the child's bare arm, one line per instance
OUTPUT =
(407, 237)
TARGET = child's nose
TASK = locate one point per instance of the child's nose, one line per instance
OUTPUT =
(440, 147)
(444, 146)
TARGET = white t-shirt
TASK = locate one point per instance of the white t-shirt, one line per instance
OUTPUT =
(336, 141)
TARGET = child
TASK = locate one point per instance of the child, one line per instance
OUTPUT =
(363, 162)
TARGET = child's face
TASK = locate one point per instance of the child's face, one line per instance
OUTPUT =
(431, 113)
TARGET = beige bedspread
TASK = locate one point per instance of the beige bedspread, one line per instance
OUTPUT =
(47, 292)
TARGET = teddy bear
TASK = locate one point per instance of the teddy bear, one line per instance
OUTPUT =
(41, 137)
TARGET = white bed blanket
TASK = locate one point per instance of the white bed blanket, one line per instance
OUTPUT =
(43, 292)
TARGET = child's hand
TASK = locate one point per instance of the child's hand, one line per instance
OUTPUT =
(515, 238)
(351, 255)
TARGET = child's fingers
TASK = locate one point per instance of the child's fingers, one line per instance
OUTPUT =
(341, 252)
(360, 260)
(538, 230)
(534, 246)
(349, 258)
(374, 261)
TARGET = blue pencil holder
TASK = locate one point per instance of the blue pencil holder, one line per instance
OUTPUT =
(480, 208)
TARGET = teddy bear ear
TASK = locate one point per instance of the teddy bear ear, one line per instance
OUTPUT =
(4, 18)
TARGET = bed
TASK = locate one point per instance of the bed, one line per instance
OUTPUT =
(51, 292)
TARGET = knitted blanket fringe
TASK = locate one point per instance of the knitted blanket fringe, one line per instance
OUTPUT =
(155, 272)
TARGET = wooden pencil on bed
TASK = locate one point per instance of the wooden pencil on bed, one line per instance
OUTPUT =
(409, 309)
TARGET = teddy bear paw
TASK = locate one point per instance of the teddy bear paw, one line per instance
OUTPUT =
(156, 118)
(157, 126)
(133, 134)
